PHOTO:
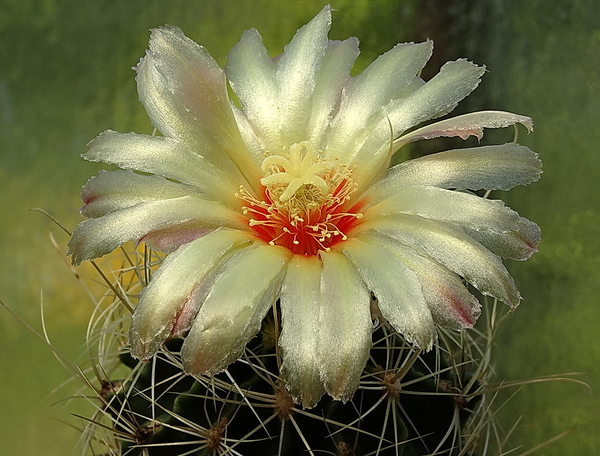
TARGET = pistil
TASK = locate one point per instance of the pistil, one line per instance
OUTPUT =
(303, 205)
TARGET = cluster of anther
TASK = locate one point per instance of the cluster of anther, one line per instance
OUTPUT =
(304, 202)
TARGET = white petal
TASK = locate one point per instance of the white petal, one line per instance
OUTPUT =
(171, 237)
(300, 304)
(254, 144)
(450, 246)
(499, 167)
(297, 74)
(332, 77)
(96, 237)
(459, 208)
(114, 190)
(185, 94)
(398, 291)
(373, 157)
(239, 299)
(251, 74)
(471, 124)
(165, 157)
(518, 244)
(344, 326)
(449, 301)
(454, 82)
(367, 93)
(170, 301)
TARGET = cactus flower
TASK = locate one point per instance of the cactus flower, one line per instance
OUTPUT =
(286, 195)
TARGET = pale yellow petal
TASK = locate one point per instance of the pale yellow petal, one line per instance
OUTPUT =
(345, 326)
(299, 339)
(173, 293)
(243, 291)
(397, 288)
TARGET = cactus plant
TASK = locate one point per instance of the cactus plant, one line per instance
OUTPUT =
(408, 403)
(312, 300)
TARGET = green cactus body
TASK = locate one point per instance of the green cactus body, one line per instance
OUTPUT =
(409, 403)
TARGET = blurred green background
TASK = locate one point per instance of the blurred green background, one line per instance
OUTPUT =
(65, 76)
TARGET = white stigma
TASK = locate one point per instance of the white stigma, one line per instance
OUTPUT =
(303, 168)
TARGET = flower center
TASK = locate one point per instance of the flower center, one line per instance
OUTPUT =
(304, 201)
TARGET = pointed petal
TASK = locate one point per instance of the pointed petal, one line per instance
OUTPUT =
(185, 94)
(518, 244)
(364, 96)
(171, 237)
(450, 303)
(499, 167)
(254, 144)
(165, 157)
(471, 124)
(451, 247)
(333, 76)
(251, 74)
(297, 74)
(300, 303)
(459, 208)
(398, 291)
(96, 237)
(438, 96)
(490, 222)
(231, 315)
(109, 191)
(170, 301)
(345, 326)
